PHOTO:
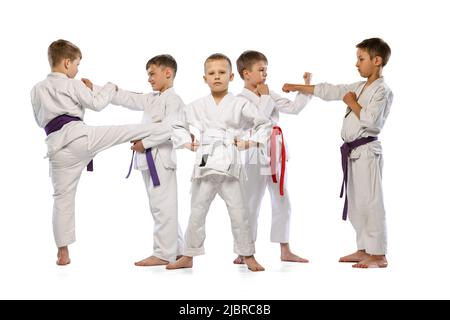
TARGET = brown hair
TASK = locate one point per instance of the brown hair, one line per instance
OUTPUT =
(62, 49)
(247, 59)
(165, 60)
(376, 47)
(218, 56)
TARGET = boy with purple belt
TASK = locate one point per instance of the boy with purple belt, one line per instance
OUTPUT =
(369, 103)
(59, 103)
(160, 176)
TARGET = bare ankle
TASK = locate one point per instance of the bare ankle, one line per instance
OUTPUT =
(183, 262)
(252, 264)
(239, 260)
(63, 256)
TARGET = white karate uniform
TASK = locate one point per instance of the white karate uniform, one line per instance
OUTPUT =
(258, 169)
(365, 164)
(72, 147)
(218, 167)
(163, 199)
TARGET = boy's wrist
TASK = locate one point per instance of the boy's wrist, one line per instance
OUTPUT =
(253, 144)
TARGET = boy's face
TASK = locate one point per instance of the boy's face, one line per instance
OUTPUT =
(71, 67)
(257, 74)
(159, 77)
(366, 66)
(217, 75)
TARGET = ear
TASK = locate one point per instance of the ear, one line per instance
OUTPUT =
(67, 63)
(245, 73)
(169, 73)
(204, 78)
(378, 61)
(231, 76)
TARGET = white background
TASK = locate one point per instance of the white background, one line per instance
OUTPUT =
(114, 225)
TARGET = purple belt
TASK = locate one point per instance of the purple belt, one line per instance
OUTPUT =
(151, 167)
(346, 149)
(57, 123)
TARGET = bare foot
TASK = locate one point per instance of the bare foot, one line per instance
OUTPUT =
(293, 258)
(183, 262)
(287, 255)
(63, 256)
(252, 264)
(355, 257)
(372, 262)
(151, 261)
(239, 260)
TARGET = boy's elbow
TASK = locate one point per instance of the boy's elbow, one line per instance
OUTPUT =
(99, 103)
(99, 106)
(368, 121)
(296, 110)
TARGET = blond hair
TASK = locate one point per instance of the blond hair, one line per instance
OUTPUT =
(62, 49)
(247, 59)
(218, 56)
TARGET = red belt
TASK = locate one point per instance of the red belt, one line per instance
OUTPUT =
(273, 157)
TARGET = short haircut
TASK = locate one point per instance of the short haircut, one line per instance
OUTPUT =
(247, 59)
(62, 49)
(376, 47)
(218, 56)
(164, 60)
